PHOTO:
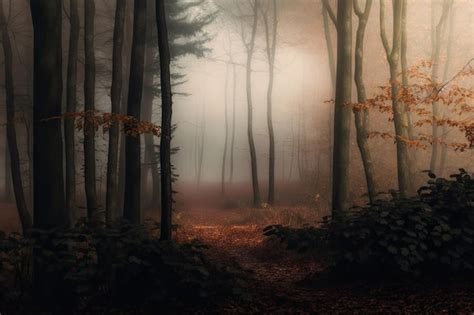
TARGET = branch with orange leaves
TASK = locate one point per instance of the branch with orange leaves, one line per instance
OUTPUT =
(130, 125)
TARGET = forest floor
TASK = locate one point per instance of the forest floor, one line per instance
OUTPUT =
(283, 282)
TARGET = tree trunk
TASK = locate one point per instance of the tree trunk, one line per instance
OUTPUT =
(437, 36)
(271, 52)
(253, 153)
(71, 102)
(151, 157)
(14, 167)
(362, 115)
(447, 67)
(201, 140)
(232, 141)
(400, 118)
(342, 114)
(111, 212)
(226, 123)
(7, 184)
(49, 203)
(166, 120)
(132, 202)
(89, 108)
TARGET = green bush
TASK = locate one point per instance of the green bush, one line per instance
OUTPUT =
(432, 232)
(120, 266)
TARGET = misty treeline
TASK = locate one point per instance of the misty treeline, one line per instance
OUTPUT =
(90, 84)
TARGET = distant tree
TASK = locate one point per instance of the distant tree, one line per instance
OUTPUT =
(232, 137)
(89, 108)
(71, 107)
(132, 204)
(166, 121)
(115, 95)
(437, 30)
(14, 167)
(226, 126)
(362, 115)
(342, 114)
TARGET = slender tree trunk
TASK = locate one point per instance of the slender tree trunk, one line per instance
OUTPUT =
(232, 141)
(71, 107)
(253, 153)
(271, 52)
(14, 167)
(126, 74)
(362, 115)
(132, 202)
(111, 211)
(7, 185)
(342, 114)
(332, 70)
(49, 203)
(447, 67)
(89, 108)
(226, 123)
(400, 118)
(201, 142)
(437, 36)
(151, 156)
(166, 121)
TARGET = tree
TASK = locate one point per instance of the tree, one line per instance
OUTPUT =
(250, 47)
(49, 204)
(400, 118)
(132, 204)
(232, 137)
(271, 42)
(342, 113)
(166, 121)
(362, 115)
(115, 95)
(437, 32)
(15, 171)
(89, 108)
(71, 107)
(226, 122)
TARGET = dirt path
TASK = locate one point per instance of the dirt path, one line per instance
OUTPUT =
(278, 277)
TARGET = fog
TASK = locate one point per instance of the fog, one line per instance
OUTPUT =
(302, 97)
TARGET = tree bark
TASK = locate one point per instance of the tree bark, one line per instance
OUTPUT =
(342, 114)
(111, 212)
(400, 118)
(253, 153)
(89, 108)
(166, 120)
(49, 203)
(132, 202)
(71, 107)
(362, 115)
(15, 170)
(271, 52)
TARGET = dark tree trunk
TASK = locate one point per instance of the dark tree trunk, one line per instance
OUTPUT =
(271, 37)
(89, 108)
(132, 204)
(49, 203)
(14, 167)
(253, 153)
(71, 107)
(166, 119)
(226, 123)
(342, 115)
(111, 212)
(362, 115)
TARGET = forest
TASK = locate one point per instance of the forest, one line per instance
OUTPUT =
(236, 157)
